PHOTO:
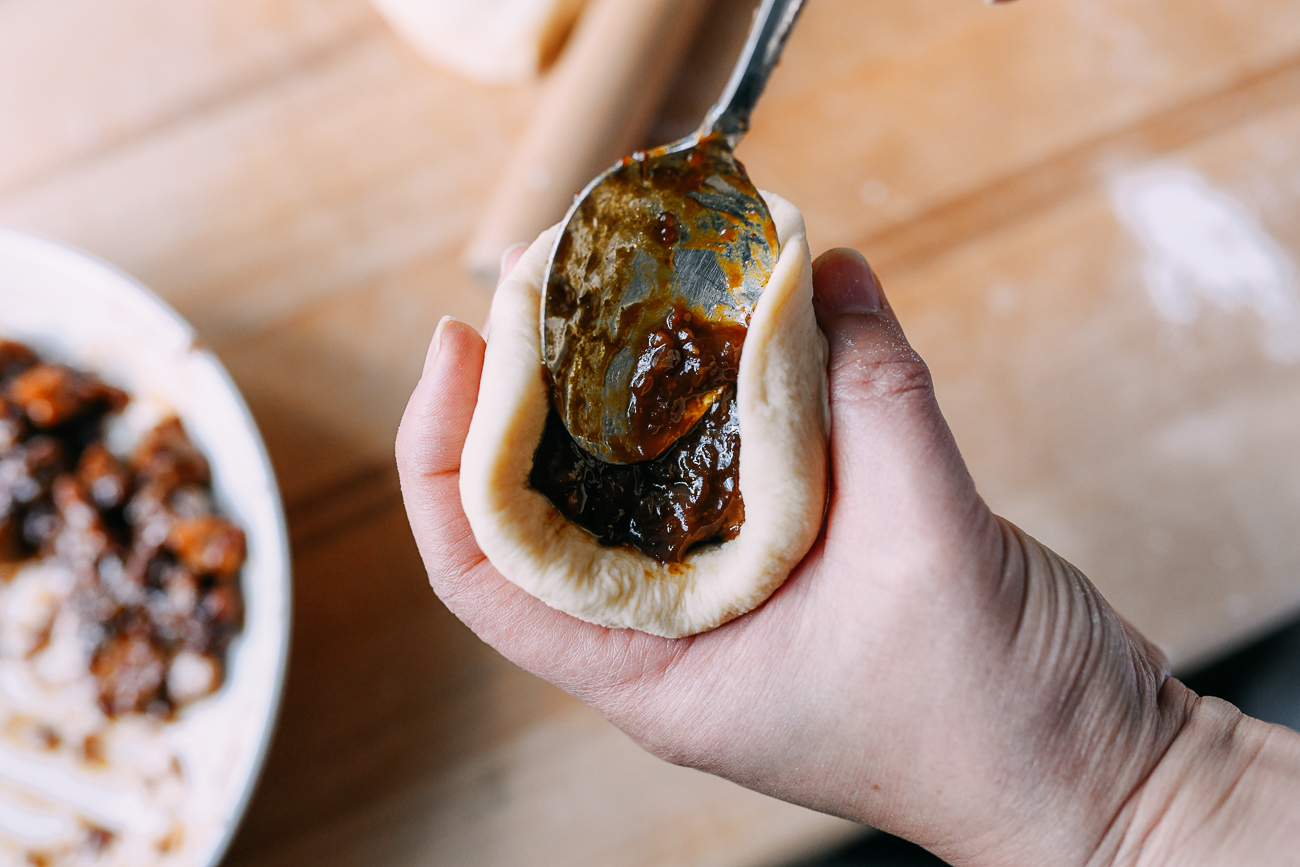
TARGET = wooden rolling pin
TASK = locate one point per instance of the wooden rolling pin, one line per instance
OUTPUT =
(595, 107)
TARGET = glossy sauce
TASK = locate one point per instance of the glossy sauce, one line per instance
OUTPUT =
(648, 300)
(682, 368)
(655, 239)
(688, 496)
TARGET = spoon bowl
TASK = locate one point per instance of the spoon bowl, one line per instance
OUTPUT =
(663, 261)
(655, 273)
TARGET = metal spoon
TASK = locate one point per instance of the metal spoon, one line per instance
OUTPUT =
(656, 271)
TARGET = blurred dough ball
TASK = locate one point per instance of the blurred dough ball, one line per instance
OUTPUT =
(492, 41)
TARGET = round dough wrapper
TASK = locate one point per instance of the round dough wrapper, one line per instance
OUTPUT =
(781, 404)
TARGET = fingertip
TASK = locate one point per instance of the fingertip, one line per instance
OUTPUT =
(442, 403)
(457, 341)
(843, 283)
(435, 344)
(452, 341)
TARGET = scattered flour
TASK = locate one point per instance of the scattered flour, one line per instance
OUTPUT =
(1203, 248)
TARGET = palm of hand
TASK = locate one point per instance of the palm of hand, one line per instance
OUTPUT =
(875, 683)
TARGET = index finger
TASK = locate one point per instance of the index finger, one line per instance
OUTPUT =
(577, 656)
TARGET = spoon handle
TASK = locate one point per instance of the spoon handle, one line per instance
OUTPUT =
(772, 25)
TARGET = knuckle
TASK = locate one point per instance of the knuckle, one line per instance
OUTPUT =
(671, 748)
(899, 379)
(402, 445)
(410, 444)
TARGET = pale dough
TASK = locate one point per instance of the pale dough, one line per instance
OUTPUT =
(781, 403)
(492, 41)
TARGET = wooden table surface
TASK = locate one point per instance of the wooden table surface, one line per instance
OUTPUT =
(300, 186)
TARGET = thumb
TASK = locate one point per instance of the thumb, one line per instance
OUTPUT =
(874, 373)
(890, 445)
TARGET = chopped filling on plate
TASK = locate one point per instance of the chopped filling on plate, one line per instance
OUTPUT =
(156, 569)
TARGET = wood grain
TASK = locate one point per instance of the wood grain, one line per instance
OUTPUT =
(593, 109)
(302, 187)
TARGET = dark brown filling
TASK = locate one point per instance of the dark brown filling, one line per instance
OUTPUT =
(683, 367)
(685, 377)
(649, 293)
(688, 495)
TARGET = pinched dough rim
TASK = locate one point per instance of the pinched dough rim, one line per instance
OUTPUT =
(781, 403)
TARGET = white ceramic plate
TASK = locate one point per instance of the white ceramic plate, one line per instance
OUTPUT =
(74, 309)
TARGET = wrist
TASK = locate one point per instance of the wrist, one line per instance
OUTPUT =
(1095, 713)
(1071, 718)
(1223, 793)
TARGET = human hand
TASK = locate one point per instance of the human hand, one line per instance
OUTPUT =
(928, 668)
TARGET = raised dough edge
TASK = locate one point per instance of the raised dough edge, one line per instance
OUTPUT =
(781, 399)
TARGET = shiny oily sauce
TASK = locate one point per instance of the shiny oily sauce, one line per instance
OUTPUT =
(690, 493)
(684, 229)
